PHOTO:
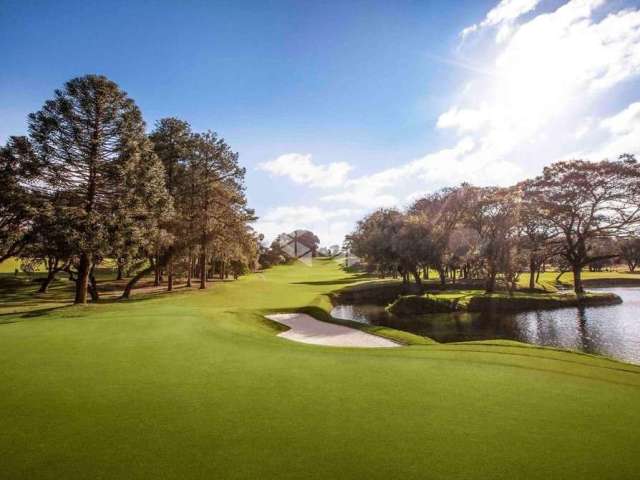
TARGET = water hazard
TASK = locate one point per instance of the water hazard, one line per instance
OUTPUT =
(613, 330)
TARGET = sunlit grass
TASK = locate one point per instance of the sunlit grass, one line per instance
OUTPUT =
(198, 385)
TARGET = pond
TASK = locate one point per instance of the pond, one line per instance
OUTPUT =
(613, 330)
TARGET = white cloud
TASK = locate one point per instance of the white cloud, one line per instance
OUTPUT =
(535, 100)
(584, 128)
(303, 214)
(549, 73)
(465, 120)
(509, 10)
(301, 169)
(330, 224)
(622, 134)
(624, 122)
(503, 15)
(545, 80)
(363, 196)
(444, 167)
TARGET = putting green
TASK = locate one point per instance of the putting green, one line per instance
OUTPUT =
(198, 385)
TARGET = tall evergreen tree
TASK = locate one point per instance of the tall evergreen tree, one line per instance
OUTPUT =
(173, 143)
(91, 141)
(217, 187)
(17, 205)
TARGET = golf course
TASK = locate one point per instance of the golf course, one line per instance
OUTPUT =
(197, 384)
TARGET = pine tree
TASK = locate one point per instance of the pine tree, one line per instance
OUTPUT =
(173, 142)
(96, 158)
(17, 205)
(217, 189)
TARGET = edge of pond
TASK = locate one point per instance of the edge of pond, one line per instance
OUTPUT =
(322, 305)
(320, 309)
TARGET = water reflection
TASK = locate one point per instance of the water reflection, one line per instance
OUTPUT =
(611, 330)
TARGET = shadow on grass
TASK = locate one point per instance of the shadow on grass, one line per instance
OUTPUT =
(342, 281)
(42, 311)
(27, 303)
(17, 317)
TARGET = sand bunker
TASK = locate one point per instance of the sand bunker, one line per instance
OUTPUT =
(306, 329)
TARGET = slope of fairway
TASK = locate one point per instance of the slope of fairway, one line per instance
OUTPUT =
(198, 385)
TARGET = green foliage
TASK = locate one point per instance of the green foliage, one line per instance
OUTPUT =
(89, 184)
(18, 204)
(479, 301)
(419, 304)
(98, 169)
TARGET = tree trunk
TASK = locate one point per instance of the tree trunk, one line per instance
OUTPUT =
(156, 278)
(170, 276)
(532, 273)
(93, 287)
(82, 282)
(203, 270)
(443, 276)
(491, 283)
(120, 272)
(577, 279)
(47, 281)
(491, 277)
(127, 289)
(190, 267)
(416, 277)
(53, 267)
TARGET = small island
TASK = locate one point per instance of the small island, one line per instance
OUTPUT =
(499, 302)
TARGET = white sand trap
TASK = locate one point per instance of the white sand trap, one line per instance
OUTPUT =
(306, 329)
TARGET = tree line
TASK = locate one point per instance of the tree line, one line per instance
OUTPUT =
(89, 184)
(576, 214)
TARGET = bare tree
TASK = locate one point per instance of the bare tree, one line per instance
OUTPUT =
(629, 249)
(587, 201)
(493, 214)
(443, 211)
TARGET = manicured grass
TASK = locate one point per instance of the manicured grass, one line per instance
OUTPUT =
(10, 265)
(547, 280)
(197, 385)
(501, 301)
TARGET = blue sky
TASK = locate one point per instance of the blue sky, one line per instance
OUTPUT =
(339, 107)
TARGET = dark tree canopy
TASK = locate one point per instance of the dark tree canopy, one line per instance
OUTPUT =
(586, 201)
(629, 249)
(577, 213)
(17, 203)
(89, 186)
(99, 165)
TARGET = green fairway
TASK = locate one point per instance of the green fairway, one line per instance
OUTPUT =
(547, 280)
(10, 265)
(197, 385)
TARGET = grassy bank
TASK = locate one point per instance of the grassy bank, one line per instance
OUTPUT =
(478, 301)
(197, 385)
